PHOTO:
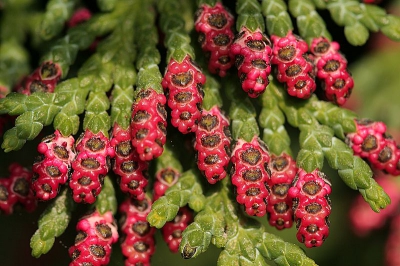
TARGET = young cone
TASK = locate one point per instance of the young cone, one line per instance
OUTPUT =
(283, 171)
(214, 25)
(212, 144)
(250, 175)
(183, 83)
(96, 233)
(131, 171)
(90, 165)
(52, 167)
(43, 79)
(148, 124)
(16, 190)
(295, 66)
(311, 205)
(371, 142)
(138, 245)
(337, 82)
(252, 52)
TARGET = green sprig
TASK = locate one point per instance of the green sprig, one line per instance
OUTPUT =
(52, 224)
(277, 18)
(14, 64)
(106, 200)
(358, 19)
(249, 15)
(206, 2)
(57, 13)
(360, 177)
(313, 139)
(186, 191)
(313, 136)
(281, 252)
(124, 73)
(212, 96)
(80, 37)
(272, 120)
(96, 116)
(149, 57)
(172, 23)
(13, 104)
(341, 120)
(343, 14)
(71, 97)
(241, 112)
(208, 225)
(168, 159)
(309, 22)
(106, 5)
(65, 50)
(37, 110)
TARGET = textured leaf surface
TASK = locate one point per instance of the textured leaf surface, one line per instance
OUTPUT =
(52, 224)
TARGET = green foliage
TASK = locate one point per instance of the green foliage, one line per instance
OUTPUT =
(281, 252)
(309, 22)
(57, 13)
(277, 19)
(106, 5)
(241, 112)
(249, 15)
(243, 240)
(106, 200)
(392, 28)
(339, 119)
(52, 224)
(13, 63)
(99, 86)
(36, 111)
(186, 191)
(168, 159)
(172, 23)
(272, 120)
(212, 95)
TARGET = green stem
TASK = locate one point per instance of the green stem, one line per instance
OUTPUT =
(106, 200)
(249, 15)
(52, 223)
(106, 5)
(272, 120)
(241, 112)
(187, 190)
(124, 73)
(172, 23)
(212, 95)
(149, 57)
(57, 13)
(277, 18)
(65, 50)
(168, 159)
(206, 2)
(341, 120)
(309, 22)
